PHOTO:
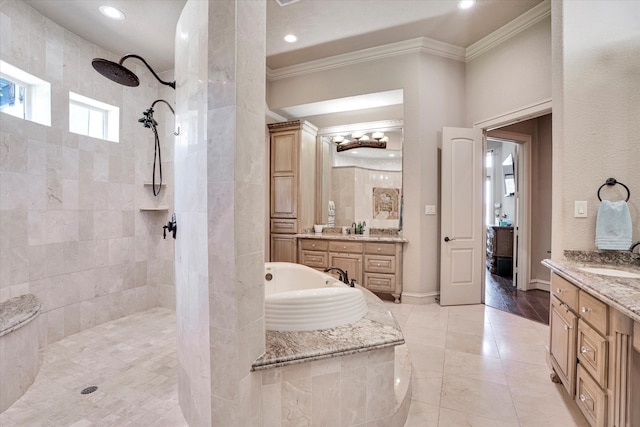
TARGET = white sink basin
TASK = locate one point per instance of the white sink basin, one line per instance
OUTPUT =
(611, 272)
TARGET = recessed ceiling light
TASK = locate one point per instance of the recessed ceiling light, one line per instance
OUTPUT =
(112, 12)
(466, 4)
(290, 38)
(392, 155)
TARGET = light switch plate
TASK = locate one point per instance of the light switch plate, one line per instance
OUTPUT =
(429, 210)
(580, 209)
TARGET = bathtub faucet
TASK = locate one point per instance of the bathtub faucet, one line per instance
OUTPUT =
(344, 275)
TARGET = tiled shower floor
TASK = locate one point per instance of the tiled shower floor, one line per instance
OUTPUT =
(473, 366)
(132, 361)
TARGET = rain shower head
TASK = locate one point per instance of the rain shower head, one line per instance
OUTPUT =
(116, 72)
(121, 74)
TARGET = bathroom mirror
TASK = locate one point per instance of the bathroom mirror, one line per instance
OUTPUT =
(365, 183)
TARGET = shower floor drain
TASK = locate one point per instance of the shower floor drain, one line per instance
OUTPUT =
(89, 390)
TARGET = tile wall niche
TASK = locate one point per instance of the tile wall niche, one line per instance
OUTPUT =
(72, 233)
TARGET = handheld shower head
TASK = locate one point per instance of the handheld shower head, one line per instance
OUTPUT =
(121, 74)
(147, 120)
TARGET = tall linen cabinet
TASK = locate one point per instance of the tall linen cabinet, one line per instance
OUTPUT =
(292, 185)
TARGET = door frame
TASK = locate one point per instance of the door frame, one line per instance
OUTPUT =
(522, 247)
(529, 112)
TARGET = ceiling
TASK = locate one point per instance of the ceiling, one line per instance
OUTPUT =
(324, 27)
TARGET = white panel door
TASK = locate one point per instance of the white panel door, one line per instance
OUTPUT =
(461, 249)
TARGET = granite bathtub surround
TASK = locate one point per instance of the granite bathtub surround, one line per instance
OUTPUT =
(219, 201)
(377, 329)
(348, 375)
(621, 293)
(72, 233)
(18, 346)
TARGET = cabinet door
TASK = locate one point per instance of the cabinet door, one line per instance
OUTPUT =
(283, 248)
(562, 343)
(352, 263)
(284, 197)
(284, 153)
(284, 175)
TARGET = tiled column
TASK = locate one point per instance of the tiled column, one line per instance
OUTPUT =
(219, 168)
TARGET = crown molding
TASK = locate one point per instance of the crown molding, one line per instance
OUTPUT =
(511, 29)
(421, 44)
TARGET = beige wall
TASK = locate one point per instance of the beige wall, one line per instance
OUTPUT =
(433, 98)
(71, 228)
(596, 96)
(513, 75)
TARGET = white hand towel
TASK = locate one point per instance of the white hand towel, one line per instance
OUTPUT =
(613, 226)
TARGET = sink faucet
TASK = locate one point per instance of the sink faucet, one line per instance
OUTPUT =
(343, 275)
(634, 245)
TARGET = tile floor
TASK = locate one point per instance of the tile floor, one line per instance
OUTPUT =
(473, 366)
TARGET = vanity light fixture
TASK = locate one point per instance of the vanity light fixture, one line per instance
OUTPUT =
(339, 139)
(466, 4)
(290, 38)
(112, 12)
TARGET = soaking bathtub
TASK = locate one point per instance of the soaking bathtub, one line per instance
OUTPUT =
(300, 298)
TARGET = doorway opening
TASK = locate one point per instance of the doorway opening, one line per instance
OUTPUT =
(517, 212)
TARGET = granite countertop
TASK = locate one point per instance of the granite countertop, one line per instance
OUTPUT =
(621, 293)
(353, 237)
(377, 329)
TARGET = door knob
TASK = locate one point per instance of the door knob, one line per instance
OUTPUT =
(447, 239)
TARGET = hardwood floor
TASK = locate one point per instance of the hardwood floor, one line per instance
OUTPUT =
(500, 294)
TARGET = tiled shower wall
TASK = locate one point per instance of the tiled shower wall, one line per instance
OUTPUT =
(70, 226)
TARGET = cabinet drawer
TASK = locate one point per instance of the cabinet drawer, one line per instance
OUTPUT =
(314, 259)
(314, 245)
(380, 248)
(594, 312)
(565, 291)
(591, 400)
(352, 247)
(284, 226)
(380, 264)
(592, 353)
(380, 282)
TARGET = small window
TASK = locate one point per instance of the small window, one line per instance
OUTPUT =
(24, 96)
(93, 118)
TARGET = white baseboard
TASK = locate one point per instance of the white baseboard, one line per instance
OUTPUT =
(543, 285)
(419, 297)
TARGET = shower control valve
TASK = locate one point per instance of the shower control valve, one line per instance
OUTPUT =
(172, 226)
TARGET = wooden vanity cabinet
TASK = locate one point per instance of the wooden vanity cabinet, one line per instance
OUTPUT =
(292, 184)
(376, 266)
(590, 351)
(347, 255)
(562, 343)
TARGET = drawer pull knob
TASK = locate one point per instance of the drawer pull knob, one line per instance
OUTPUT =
(344, 247)
(378, 264)
(313, 245)
(559, 290)
(379, 249)
(584, 350)
(585, 309)
(567, 327)
(584, 398)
